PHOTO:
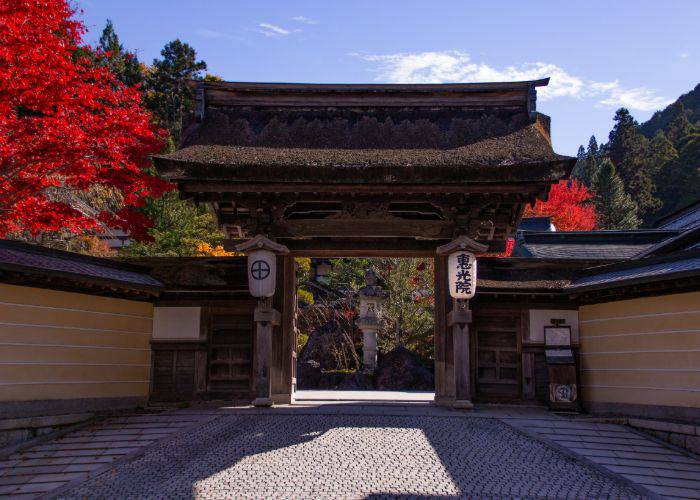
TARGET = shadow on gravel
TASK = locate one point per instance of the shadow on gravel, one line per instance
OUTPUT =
(281, 455)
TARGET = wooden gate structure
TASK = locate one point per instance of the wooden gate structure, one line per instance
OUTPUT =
(366, 170)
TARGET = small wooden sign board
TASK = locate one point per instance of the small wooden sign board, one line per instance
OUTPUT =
(557, 336)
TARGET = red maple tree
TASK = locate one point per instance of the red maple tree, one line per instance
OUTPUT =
(568, 207)
(66, 123)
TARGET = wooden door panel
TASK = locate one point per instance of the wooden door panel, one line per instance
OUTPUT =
(230, 355)
(498, 359)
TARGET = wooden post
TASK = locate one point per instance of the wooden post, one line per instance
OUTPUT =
(444, 360)
(266, 318)
(459, 319)
(455, 387)
(263, 282)
(284, 337)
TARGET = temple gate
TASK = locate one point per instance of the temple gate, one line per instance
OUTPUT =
(365, 170)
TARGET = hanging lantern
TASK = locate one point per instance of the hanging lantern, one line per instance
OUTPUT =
(462, 275)
(262, 273)
(461, 265)
(262, 265)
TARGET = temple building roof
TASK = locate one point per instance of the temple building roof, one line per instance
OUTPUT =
(299, 125)
(527, 145)
(345, 164)
(588, 245)
(685, 218)
(679, 266)
(24, 263)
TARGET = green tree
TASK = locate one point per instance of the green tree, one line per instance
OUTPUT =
(587, 163)
(590, 164)
(167, 94)
(679, 126)
(628, 149)
(408, 312)
(661, 151)
(125, 65)
(577, 172)
(593, 149)
(615, 208)
(179, 229)
(680, 178)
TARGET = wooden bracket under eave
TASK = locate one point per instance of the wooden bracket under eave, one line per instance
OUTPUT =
(262, 242)
(461, 243)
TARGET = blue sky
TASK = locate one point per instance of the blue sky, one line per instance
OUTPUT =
(600, 54)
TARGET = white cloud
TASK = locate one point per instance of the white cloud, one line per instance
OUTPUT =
(641, 98)
(304, 19)
(684, 55)
(456, 66)
(206, 33)
(269, 29)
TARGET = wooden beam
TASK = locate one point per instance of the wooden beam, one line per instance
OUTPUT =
(382, 228)
(494, 98)
(380, 247)
(226, 186)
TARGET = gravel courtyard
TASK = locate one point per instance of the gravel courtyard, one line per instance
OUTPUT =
(346, 456)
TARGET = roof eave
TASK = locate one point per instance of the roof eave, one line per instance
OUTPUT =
(372, 87)
(106, 283)
(179, 170)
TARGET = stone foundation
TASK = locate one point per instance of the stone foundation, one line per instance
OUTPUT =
(681, 435)
(15, 431)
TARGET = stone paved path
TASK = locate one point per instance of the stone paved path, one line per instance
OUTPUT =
(75, 456)
(659, 468)
(344, 449)
(379, 452)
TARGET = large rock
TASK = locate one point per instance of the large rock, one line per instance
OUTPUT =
(331, 347)
(310, 377)
(309, 374)
(401, 370)
(357, 381)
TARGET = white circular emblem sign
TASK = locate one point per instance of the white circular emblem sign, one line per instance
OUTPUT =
(262, 270)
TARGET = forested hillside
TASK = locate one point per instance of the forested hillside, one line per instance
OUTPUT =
(645, 171)
(661, 119)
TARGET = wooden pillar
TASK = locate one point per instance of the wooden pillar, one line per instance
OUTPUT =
(266, 318)
(267, 360)
(451, 324)
(444, 348)
(284, 337)
(459, 320)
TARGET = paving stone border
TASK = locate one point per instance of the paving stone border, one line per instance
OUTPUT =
(682, 435)
(63, 460)
(660, 469)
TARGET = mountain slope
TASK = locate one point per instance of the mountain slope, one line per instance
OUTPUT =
(661, 119)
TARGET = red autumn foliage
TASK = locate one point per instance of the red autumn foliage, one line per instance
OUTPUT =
(67, 123)
(567, 206)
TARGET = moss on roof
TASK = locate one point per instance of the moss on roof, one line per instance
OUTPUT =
(526, 145)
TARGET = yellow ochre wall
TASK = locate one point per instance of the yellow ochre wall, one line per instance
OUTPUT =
(642, 351)
(58, 345)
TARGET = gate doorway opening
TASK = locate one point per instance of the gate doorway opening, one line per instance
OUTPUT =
(365, 329)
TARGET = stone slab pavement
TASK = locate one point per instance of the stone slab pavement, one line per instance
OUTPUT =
(91, 449)
(370, 455)
(345, 449)
(660, 468)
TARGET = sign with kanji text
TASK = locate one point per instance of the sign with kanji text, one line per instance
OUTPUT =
(462, 275)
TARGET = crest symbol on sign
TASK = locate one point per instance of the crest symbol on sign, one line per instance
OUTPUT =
(260, 270)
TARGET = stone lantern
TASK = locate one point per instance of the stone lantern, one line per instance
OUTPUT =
(371, 297)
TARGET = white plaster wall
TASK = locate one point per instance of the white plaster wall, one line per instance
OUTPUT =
(177, 323)
(539, 318)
